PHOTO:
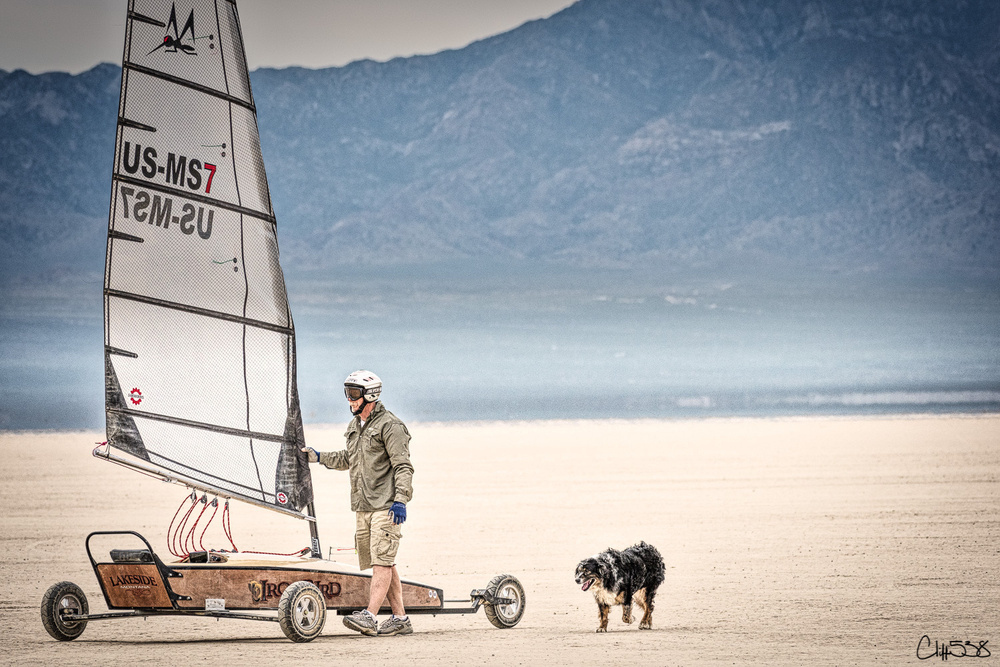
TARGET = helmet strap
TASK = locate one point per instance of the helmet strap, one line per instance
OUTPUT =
(361, 408)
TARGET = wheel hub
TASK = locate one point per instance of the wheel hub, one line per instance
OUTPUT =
(306, 613)
(509, 611)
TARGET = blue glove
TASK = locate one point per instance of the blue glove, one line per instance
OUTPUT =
(398, 511)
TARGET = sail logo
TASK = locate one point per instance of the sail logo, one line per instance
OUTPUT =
(135, 396)
(157, 210)
(282, 498)
(264, 590)
(179, 170)
(175, 43)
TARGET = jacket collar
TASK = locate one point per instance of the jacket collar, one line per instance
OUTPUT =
(376, 411)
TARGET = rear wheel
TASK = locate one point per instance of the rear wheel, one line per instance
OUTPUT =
(506, 587)
(302, 611)
(61, 600)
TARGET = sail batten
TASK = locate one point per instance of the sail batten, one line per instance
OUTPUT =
(251, 435)
(188, 84)
(199, 311)
(166, 189)
(135, 16)
(199, 340)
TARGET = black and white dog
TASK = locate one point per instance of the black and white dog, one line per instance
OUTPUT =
(621, 577)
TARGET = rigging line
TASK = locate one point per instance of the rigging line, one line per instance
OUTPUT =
(187, 534)
(170, 546)
(189, 84)
(179, 533)
(179, 530)
(193, 196)
(174, 537)
(190, 535)
(300, 552)
(201, 543)
(195, 310)
(227, 527)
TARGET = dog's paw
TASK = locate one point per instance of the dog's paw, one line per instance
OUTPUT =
(627, 619)
(645, 626)
(602, 629)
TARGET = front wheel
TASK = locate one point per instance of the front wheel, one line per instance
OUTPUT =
(64, 599)
(508, 614)
(302, 611)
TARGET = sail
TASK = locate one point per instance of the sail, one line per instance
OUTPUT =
(199, 340)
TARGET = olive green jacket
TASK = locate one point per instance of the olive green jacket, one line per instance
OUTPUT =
(378, 458)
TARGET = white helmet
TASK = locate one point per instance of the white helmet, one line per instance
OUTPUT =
(368, 383)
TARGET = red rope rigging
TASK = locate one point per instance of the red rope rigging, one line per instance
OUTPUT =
(189, 537)
(226, 527)
(181, 537)
(215, 504)
(170, 534)
(177, 538)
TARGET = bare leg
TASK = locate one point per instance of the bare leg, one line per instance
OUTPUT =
(396, 594)
(381, 581)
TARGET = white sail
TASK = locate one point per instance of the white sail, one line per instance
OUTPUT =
(199, 340)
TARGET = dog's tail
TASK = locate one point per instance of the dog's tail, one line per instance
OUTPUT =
(656, 571)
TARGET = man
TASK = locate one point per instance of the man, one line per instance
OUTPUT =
(378, 460)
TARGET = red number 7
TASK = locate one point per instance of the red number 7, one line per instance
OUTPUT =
(211, 170)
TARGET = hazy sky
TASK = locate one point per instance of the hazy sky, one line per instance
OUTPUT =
(75, 35)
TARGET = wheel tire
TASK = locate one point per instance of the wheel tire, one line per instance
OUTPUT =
(64, 598)
(505, 615)
(302, 611)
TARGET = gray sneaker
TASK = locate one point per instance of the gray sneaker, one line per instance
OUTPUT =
(395, 626)
(363, 622)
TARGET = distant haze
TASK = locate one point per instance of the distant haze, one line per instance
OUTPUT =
(73, 36)
(632, 208)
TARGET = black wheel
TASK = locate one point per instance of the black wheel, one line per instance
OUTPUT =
(302, 611)
(505, 615)
(61, 600)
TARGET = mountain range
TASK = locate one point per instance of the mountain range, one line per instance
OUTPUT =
(831, 135)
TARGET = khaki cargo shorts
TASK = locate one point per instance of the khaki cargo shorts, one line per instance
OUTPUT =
(377, 539)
